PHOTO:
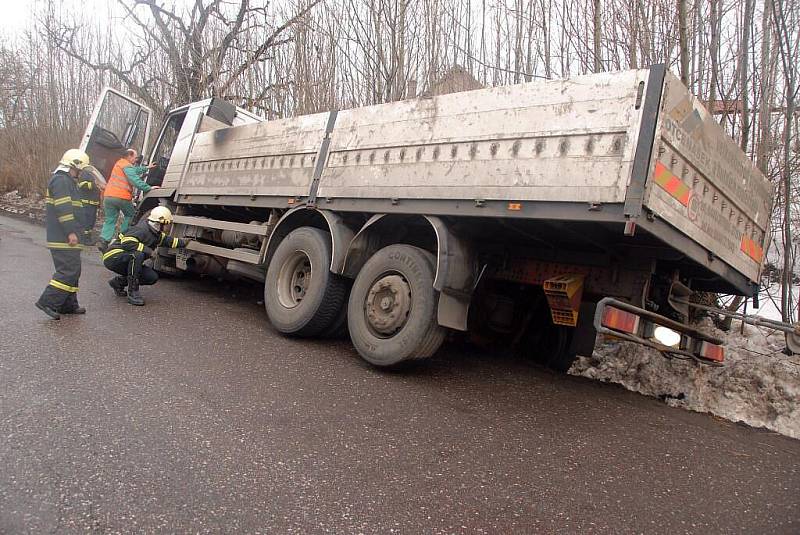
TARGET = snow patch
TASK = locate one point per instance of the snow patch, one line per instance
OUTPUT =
(32, 207)
(759, 385)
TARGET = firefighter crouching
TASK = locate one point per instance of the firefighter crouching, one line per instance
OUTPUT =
(126, 254)
(65, 225)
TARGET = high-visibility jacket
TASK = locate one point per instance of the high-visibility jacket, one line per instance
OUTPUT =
(118, 185)
(64, 211)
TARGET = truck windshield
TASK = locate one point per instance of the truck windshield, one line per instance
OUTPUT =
(163, 150)
(169, 135)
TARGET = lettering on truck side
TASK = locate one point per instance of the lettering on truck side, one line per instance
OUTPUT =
(728, 201)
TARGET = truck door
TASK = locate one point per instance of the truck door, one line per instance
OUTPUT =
(165, 144)
(118, 123)
(171, 150)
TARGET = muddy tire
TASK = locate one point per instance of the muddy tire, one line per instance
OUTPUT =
(391, 313)
(556, 346)
(301, 295)
(338, 329)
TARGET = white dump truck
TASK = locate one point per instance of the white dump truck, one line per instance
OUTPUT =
(533, 215)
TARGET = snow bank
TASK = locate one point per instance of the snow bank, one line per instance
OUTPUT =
(758, 385)
(32, 207)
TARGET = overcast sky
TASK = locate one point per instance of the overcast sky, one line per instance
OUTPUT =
(15, 15)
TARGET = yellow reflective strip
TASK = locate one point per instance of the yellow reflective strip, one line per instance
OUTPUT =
(65, 218)
(111, 253)
(77, 203)
(61, 286)
(62, 200)
(48, 200)
(62, 245)
(126, 239)
(174, 242)
(95, 203)
(140, 247)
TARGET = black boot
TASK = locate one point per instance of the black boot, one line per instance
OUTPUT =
(74, 310)
(134, 297)
(118, 285)
(48, 310)
(102, 245)
(71, 306)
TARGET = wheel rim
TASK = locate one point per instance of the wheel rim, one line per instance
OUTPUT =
(294, 279)
(387, 305)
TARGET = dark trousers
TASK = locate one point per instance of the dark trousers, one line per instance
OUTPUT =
(61, 294)
(90, 218)
(131, 265)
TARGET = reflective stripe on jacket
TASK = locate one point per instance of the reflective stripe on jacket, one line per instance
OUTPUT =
(118, 185)
(90, 195)
(143, 239)
(64, 211)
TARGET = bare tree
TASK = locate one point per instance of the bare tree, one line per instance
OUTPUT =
(196, 66)
(683, 40)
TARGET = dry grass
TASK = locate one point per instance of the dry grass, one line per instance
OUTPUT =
(29, 155)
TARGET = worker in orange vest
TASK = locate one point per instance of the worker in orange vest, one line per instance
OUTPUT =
(118, 195)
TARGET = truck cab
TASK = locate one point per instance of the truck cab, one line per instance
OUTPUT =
(172, 146)
(119, 123)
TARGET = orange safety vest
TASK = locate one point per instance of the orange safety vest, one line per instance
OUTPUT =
(118, 185)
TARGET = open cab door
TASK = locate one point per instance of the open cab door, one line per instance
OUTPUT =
(118, 123)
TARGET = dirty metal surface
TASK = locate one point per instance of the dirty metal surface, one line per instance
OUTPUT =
(565, 140)
(269, 158)
(705, 186)
(559, 140)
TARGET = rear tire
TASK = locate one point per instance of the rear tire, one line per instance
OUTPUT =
(559, 354)
(338, 329)
(391, 313)
(301, 295)
(558, 346)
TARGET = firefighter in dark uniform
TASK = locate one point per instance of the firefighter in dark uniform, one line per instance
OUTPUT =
(90, 199)
(64, 229)
(127, 252)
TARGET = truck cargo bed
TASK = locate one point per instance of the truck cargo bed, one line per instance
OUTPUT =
(613, 148)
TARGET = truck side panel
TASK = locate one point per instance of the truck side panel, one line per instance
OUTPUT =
(562, 140)
(705, 186)
(269, 158)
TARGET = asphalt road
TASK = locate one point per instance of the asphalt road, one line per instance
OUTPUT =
(192, 415)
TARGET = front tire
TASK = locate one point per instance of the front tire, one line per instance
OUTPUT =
(391, 314)
(301, 295)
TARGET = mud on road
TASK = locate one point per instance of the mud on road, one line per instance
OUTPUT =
(193, 414)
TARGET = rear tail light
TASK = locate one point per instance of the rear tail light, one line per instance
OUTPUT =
(619, 320)
(711, 352)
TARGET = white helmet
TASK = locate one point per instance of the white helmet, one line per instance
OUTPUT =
(75, 158)
(160, 214)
